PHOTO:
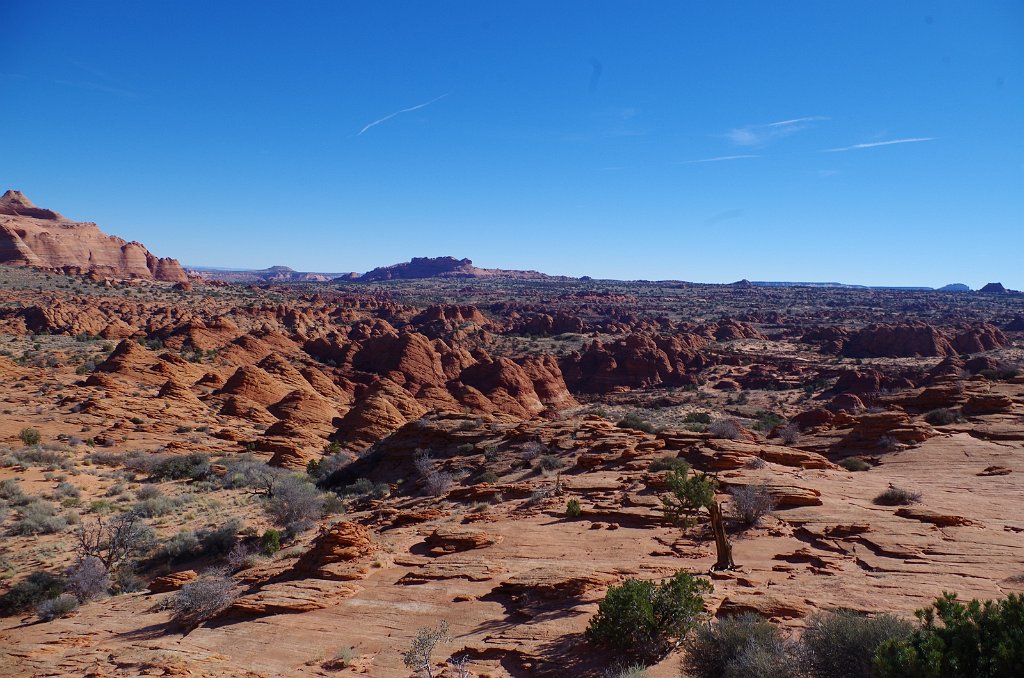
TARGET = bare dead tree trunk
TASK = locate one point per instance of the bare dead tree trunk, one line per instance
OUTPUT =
(722, 546)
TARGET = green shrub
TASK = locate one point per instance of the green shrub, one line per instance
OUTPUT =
(573, 509)
(668, 463)
(697, 418)
(981, 640)
(1001, 373)
(855, 464)
(549, 462)
(641, 618)
(634, 421)
(10, 492)
(58, 607)
(182, 546)
(743, 646)
(766, 421)
(190, 544)
(626, 671)
(270, 542)
(31, 591)
(897, 496)
(30, 436)
(296, 504)
(943, 416)
(38, 517)
(364, 487)
(688, 494)
(486, 477)
(175, 467)
(842, 644)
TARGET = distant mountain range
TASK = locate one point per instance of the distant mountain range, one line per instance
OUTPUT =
(953, 287)
(419, 268)
(415, 269)
(42, 238)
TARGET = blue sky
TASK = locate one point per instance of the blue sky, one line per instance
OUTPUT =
(864, 142)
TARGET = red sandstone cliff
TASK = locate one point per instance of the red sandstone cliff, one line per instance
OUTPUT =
(32, 236)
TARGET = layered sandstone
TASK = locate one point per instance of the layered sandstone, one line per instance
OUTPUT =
(33, 236)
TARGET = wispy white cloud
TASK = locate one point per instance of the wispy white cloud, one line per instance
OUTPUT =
(404, 110)
(719, 158)
(875, 144)
(755, 135)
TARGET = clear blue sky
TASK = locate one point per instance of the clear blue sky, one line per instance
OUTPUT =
(694, 141)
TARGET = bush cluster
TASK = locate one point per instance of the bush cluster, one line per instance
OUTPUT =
(640, 618)
(204, 598)
(943, 416)
(897, 496)
(751, 503)
(727, 429)
(636, 422)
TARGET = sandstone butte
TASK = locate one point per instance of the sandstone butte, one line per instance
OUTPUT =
(33, 236)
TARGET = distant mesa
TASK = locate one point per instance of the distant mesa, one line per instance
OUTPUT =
(423, 267)
(742, 284)
(33, 236)
(448, 267)
(274, 274)
(994, 288)
(955, 287)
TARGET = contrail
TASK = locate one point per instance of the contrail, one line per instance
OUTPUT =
(719, 158)
(876, 144)
(404, 110)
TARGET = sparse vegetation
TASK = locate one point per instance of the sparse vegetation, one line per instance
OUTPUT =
(38, 517)
(549, 462)
(203, 599)
(635, 421)
(789, 434)
(58, 607)
(573, 509)
(943, 417)
(419, 656)
(88, 579)
(855, 464)
(897, 496)
(30, 591)
(743, 646)
(295, 504)
(668, 463)
(842, 644)
(727, 429)
(751, 503)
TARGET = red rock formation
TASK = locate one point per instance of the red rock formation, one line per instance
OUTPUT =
(908, 340)
(975, 339)
(729, 330)
(638, 361)
(385, 408)
(905, 340)
(335, 551)
(32, 236)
